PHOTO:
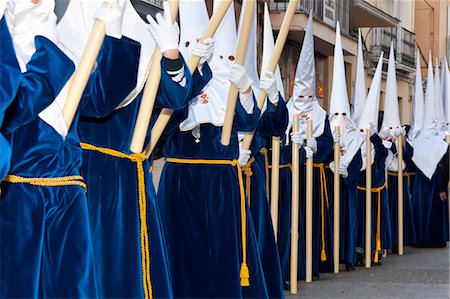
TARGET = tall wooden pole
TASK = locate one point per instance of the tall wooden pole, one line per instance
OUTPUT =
(240, 56)
(400, 194)
(275, 183)
(295, 208)
(337, 204)
(368, 243)
(309, 206)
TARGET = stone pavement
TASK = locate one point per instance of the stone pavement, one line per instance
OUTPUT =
(420, 273)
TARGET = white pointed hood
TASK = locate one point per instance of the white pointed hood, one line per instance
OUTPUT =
(210, 105)
(268, 46)
(418, 104)
(340, 108)
(441, 122)
(446, 91)
(250, 63)
(391, 119)
(304, 99)
(429, 147)
(76, 24)
(359, 96)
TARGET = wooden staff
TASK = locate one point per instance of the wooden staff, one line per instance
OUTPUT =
(240, 55)
(83, 71)
(368, 243)
(278, 49)
(400, 194)
(337, 209)
(164, 116)
(275, 183)
(150, 92)
(295, 207)
(309, 206)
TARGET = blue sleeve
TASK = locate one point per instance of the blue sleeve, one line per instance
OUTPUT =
(324, 145)
(274, 120)
(170, 93)
(354, 169)
(380, 151)
(200, 80)
(243, 121)
(113, 79)
(47, 73)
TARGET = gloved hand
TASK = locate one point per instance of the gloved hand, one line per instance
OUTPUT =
(163, 30)
(384, 133)
(343, 171)
(336, 137)
(297, 138)
(244, 156)
(331, 165)
(312, 144)
(204, 50)
(309, 152)
(268, 83)
(38, 16)
(399, 131)
(110, 12)
(239, 77)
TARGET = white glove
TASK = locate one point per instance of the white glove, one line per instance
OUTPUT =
(384, 133)
(39, 17)
(336, 137)
(165, 32)
(399, 131)
(312, 144)
(244, 156)
(343, 171)
(309, 152)
(110, 12)
(331, 165)
(268, 83)
(239, 77)
(297, 138)
(204, 50)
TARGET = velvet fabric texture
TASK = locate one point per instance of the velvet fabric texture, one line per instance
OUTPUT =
(45, 242)
(348, 209)
(9, 83)
(430, 212)
(378, 181)
(273, 123)
(115, 211)
(324, 148)
(201, 213)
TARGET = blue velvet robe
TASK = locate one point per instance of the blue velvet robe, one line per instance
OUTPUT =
(46, 248)
(378, 180)
(409, 233)
(9, 83)
(273, 123)
(430, 213)
(113, 200)
(348, 208)
(200, 210)
(324, 148)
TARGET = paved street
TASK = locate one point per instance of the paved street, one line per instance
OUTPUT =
(420, 273)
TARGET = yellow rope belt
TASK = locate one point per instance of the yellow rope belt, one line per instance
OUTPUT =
(244, 272)
(282, 166)
(144, 239)
(247, 169)
(323, 197)
(74, 180)
(378, 233)
(407, 174)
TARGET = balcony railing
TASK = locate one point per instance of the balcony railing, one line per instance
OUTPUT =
(327, 11)
(403, 39)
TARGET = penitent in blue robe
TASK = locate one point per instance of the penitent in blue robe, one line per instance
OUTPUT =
(324, 147)
(201, 213)
(408, 219)
(378, 181)
(273, 123)
(10, 75)
(348, 207)
(116, 212)
(430, 212)
(46, 248)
